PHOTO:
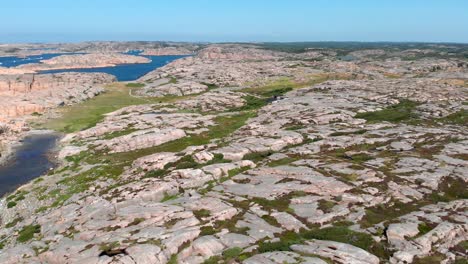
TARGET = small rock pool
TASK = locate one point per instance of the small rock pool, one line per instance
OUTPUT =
(32, 158)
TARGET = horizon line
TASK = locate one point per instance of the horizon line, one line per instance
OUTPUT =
(244, 42)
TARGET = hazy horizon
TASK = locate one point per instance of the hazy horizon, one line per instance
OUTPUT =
(236, 42)
(53, 21)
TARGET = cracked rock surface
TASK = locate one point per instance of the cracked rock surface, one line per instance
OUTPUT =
(259, 156)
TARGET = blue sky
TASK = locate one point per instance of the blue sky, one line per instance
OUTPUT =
(234, 20)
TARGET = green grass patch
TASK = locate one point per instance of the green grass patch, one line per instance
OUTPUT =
(361, 157)
(463, 245)
(251, 103)
(14, 222)
(225, 125)
(173, 80)
(135, 85)
(236, 171)
(230, 224)
(343, 223)
(457, 118)
(294, 127)
(87, 114)
(207, 231)
(400, 112)
(280, 204)
(424, 228)
(437, 258)
(110, 249)
(338, 234)
(232, 253)
(136, 221)
(201, 213)
(27, 233)
(287, 239)
(118, 133)
(326, 206)
(460, 260)
(347, 133)
(381, 213)
(341, 234)
(282, 162)
(210, 85)
(345, 235)
(450, 189)
(357, 158)
(276, 92)
(83, 181)
(213, 260)
(284, 85)
(184, 163)
(168, 197)
(173, 259)
(257, 156)
(155, 174)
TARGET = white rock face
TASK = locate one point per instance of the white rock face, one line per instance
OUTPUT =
(236, 240)
(203, 157)
(142, 139)
(145, 254)
(280, 257)
(207, 246)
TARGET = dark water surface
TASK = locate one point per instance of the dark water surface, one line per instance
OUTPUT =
(16, 61)
(127, 72)
(123, 72)
(30, 160)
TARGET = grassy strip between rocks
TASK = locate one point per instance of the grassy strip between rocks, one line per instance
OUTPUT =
(225, 125)
(450, 189)
(135, 85)
(27, 233)
(14, 222)
(111, 166)
(283, 85)
(228, 256)
(337, 233)
(402, 111)
(88, 113)
(457, 118)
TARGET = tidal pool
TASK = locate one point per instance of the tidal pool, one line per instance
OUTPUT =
(32, 158)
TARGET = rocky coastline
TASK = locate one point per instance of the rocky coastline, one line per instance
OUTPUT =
(247, 154)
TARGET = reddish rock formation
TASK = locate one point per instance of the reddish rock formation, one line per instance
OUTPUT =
(29, 93)
(168, 51)
(94, 60)
(226, 52)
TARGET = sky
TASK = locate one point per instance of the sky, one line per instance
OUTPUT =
(234, 20)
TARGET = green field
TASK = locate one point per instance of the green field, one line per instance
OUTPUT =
(87, 114)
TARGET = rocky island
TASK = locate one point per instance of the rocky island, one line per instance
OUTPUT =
(84, 61)
(245, 153)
